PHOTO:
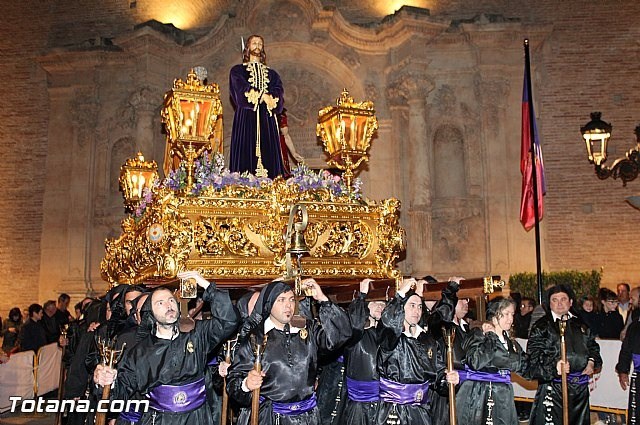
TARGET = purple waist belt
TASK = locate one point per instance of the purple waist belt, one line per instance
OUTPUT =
(397, 393)
(293, 408)
(636, 362)
(363, 391)
(503, 376)
(178, 398)
(575, 378)
(133, 416)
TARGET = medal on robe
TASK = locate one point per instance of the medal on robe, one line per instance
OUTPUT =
(303, 334)
(430, 353)
(190, 347)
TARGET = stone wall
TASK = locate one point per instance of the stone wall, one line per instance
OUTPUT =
(82, 90)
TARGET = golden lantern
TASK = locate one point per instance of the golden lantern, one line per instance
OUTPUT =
(192, 114)
(135, 175)
(346, 131)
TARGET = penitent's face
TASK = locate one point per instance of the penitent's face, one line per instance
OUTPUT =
(164, 307)
(283, 308)
(560, 303)
(413, 310)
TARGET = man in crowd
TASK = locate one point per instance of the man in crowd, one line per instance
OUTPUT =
(62, 315)
(546, 365)
(290, 357)
(32, 335)
(523, 320)
(168, 365)
(634, 310)
(49, 323)
(623, 290)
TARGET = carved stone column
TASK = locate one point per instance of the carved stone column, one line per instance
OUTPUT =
(145, 103)
(399, 110)
(419, 161)
(84, 122)
(407, 100)
(492, 93)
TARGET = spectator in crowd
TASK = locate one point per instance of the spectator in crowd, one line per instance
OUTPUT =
(62, 314)
(49, 322)
(587, 309)
(608, 321)
(523, 319)
(624, 291)
(32, 336)
(634, 310)
(10, 330)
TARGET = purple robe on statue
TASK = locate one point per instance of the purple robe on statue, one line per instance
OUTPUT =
(245, 121)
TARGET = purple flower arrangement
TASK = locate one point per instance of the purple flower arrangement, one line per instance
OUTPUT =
(210, 172)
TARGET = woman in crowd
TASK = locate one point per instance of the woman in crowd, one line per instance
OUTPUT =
(10, 330)
(486, 394)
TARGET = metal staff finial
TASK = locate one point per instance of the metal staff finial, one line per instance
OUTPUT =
(242, 42)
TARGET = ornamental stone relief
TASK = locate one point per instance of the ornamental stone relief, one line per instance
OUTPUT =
(305, 94)
(445, 100)
(85, 119)
(458, 234)
(296, 20)
(491, 94)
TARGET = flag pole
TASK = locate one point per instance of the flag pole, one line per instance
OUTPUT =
(534, 171)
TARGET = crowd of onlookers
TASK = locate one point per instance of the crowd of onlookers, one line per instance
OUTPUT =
(608, 315)
(37, 325)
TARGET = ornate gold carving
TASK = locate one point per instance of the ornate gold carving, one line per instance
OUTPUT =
(236, 235)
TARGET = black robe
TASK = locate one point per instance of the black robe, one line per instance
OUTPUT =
(440, 402)
(360, 354)
(154, 361)
(407, 360)
(543, 349)
(486, 353)
(631, 347)
(290, 363)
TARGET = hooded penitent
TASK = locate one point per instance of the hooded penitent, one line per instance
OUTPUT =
(262, 310)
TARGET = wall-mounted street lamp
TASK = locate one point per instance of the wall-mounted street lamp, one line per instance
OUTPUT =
(596, 134)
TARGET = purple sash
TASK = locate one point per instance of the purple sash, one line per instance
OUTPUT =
(575, 378)
(636, 362)
(178, 398)
(213, 361)
(503, 376)
(397, 393)
(340, 359)
(133, 416)
(363, 391)
(293, 408)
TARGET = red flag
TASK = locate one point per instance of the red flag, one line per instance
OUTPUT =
(527, 208)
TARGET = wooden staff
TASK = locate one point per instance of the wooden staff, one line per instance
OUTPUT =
(110, 356)
(225, 395)
(257, 366)
(61, 378)
(565, 387)
(449, 335)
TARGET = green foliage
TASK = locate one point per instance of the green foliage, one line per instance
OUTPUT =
(583, 283)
